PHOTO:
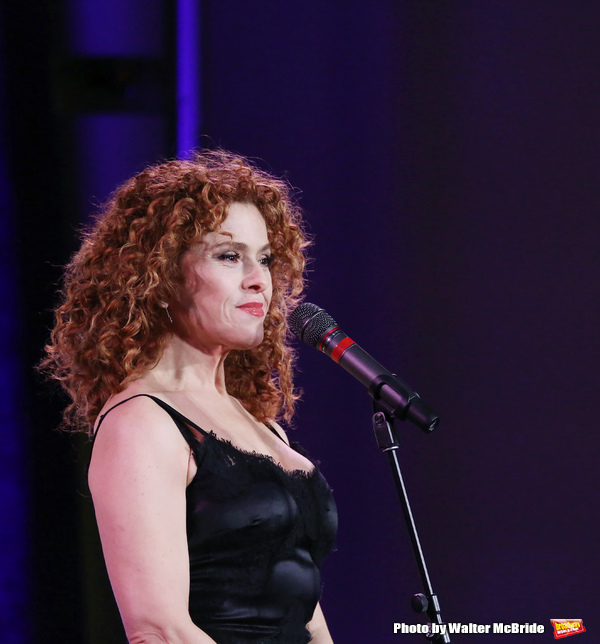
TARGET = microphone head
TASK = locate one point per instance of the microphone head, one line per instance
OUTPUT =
(310, 323)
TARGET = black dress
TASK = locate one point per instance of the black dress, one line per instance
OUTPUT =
(257, 535)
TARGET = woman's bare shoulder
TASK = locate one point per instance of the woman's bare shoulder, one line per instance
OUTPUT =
(136, 437)
(135, 397)
(132, 421)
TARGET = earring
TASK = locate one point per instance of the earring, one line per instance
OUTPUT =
(166, 308)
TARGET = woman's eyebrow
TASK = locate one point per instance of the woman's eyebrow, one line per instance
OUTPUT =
(239, 246)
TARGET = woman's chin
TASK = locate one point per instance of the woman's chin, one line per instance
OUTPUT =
(245, 342)
(252, 343)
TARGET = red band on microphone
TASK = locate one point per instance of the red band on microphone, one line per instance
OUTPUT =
(336, 354)
(324, 338)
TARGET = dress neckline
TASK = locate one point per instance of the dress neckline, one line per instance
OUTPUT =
(266, 458)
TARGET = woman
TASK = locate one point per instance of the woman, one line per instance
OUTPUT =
(171, 341)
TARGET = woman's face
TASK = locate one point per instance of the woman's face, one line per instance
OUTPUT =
(227, 284)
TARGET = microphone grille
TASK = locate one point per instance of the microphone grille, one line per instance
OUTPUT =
(309, 322)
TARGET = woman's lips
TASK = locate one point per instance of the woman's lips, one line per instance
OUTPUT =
(254, 308)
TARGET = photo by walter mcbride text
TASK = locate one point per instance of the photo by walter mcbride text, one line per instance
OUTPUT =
(472, 628)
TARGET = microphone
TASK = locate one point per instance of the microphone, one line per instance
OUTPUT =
(316, 327)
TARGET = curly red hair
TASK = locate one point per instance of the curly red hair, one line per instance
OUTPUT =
(110, 327)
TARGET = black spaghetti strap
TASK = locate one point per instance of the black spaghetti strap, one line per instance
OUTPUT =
(279, 436)
(183, 425)
(103, 416)
(186, 423)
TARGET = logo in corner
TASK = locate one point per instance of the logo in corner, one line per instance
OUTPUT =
(566, 627)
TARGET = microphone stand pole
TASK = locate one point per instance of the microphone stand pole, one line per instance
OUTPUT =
(421, 603)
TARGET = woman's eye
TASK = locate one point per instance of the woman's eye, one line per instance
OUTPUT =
(230, 256)
(267, 261)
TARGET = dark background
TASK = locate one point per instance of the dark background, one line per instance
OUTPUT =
(447, 157)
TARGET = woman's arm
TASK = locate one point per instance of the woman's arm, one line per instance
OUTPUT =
(318, 628)
(138, 477)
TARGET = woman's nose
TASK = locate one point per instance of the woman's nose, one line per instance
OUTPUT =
(256, 277)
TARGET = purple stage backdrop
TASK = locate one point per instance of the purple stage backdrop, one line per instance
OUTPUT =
(446, 156)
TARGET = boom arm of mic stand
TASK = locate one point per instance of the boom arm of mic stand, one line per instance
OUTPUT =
(428, 603)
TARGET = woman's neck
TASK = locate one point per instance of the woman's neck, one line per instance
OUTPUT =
(185, 367)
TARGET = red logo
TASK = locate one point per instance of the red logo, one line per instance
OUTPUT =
(566, 627)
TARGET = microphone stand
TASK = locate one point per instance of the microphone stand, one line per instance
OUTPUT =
(428, 603)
